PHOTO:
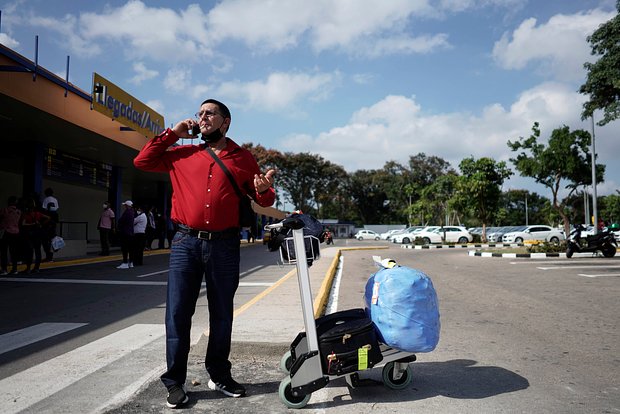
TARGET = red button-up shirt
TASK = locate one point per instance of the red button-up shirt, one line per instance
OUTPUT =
(202, 196)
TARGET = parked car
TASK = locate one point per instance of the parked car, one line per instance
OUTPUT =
(536, 232)
(497, 233)
(452, 234)
(409, 236)
(387, 234)
(615, 229)
(367, 235)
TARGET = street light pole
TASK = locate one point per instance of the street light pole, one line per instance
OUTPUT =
(526, 215)
(594, 207)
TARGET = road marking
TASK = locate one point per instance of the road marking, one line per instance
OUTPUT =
(83, 281)
(166, 271)
(32, 385)
(601, 275)
(255, 268)
(264, 293)
(563, 262)
(154, 273)
(113, 282)
(578, 267)
(23, 337)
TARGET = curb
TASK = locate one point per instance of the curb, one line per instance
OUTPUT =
(320, 301)
(459, 246)
(517, 255)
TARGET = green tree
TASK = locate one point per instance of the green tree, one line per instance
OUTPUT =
(368, 196)
(479, 188)
(329, 188)
(513, 204)
(298, 175)
(603, 78)
(564, 159)
(436, 197)
(610, 208)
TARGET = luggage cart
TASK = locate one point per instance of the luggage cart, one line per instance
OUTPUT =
(302, 363)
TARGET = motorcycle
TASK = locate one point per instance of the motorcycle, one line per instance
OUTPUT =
(604, 242)
(329, 238)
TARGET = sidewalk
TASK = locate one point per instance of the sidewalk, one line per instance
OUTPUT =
(92, 256)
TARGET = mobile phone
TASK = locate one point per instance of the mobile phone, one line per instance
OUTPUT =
(195, 130)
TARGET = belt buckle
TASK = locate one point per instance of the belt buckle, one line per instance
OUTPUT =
(204, 235)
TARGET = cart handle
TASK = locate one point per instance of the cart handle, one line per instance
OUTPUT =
(294, 223)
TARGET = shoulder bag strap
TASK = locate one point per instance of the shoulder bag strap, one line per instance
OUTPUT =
(226, 171)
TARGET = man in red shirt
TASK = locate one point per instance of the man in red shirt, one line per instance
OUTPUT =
(205, 208)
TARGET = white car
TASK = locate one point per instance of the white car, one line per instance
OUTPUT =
(387, 234)
(410, 236)
(537, 232)
(453, 234)
(367, 234)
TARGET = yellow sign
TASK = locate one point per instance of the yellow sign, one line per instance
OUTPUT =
(114, 102)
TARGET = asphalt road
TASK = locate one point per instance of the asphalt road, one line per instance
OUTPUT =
(518, 336)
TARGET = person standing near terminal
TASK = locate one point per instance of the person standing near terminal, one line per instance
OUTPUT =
(105, 226)
(205, 208)
(50, 202)
(139, 236)
(9, 237)
(50, 209)
(31, 225)
(125, 234)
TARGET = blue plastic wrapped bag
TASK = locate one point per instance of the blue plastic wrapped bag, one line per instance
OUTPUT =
(402, 303)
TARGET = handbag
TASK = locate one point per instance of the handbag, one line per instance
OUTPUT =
(247, 216)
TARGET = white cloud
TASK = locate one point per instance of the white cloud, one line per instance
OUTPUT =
(140, 31)
(7, 41)
(178, 80)
(156, 33)
(558, 47)
(280, 90)
(462, 5)
(142, 73)
(353, 27)
(156, 105)
(397, 127)
(67, 28)
(404, 45)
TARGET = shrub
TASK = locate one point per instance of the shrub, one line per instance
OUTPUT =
(546, 247)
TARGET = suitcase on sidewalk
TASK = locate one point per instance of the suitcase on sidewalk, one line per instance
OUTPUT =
(347, 342)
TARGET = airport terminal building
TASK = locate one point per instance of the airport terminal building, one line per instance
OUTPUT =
(80, 144)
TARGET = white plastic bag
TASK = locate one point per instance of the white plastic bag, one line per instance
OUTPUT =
(58, 243)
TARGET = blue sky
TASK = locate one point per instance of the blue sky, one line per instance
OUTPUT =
(357, 82)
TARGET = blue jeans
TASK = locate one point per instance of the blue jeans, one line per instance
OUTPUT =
(191, 260)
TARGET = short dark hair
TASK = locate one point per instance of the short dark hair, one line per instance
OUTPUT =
(223, 108)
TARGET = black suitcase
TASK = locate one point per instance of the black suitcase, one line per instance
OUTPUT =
(347, 342)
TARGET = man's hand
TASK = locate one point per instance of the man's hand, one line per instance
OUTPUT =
(264, 181)
(182, 128)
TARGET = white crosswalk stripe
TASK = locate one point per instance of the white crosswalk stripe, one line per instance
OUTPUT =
(23, 337)
(101, 370)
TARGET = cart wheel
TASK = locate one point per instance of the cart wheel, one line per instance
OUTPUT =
(399, 384)
(286, 362)
(287, 397)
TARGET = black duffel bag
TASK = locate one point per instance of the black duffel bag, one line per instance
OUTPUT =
(347, 342)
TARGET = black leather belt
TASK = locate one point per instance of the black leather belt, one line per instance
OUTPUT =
(230, 233)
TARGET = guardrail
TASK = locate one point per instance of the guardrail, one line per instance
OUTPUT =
(73, 230)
